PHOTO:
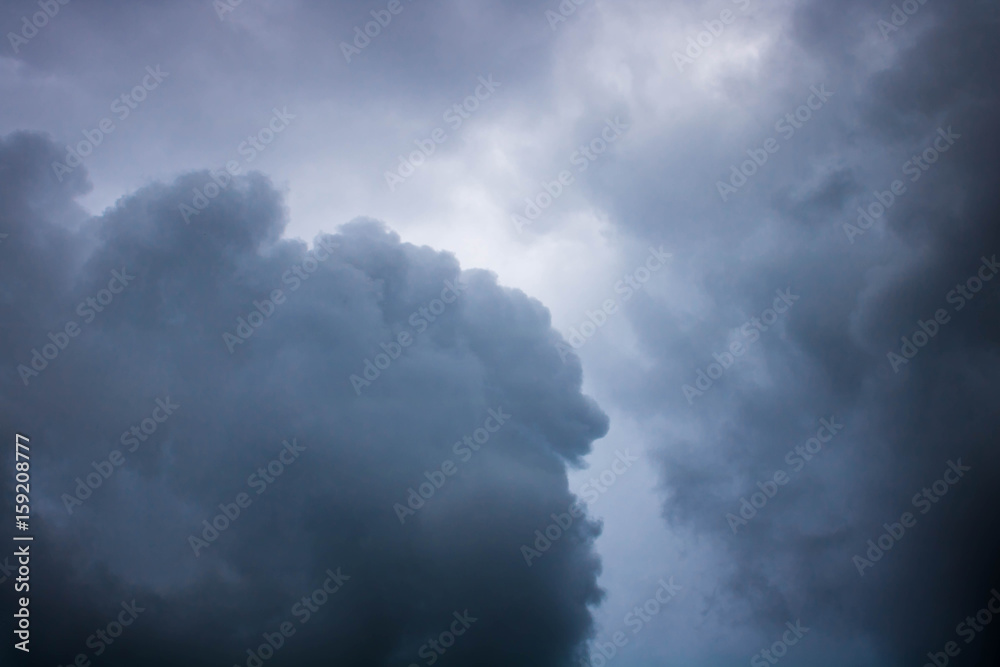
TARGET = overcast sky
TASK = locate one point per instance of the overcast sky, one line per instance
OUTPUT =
(489, 333)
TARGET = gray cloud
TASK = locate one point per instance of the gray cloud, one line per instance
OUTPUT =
(828, 356)
(494, 347)
(333, 507)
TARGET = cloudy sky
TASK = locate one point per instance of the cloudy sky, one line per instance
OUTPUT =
(565, 333)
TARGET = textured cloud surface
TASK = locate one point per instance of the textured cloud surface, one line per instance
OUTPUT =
(812, 364)
(921, 111)
(149, 352)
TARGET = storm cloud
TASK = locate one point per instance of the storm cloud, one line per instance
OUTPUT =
(733, 341)
(154, 346)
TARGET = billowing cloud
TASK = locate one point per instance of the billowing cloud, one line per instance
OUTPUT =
(752, 134)
(919, 113)
(198, 445)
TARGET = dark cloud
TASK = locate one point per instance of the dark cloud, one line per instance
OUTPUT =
(332, 505)
(493, 348)
(828, 356)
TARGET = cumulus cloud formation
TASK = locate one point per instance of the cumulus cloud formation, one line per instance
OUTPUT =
(872, 267)
(147, 426)
(799, 447)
